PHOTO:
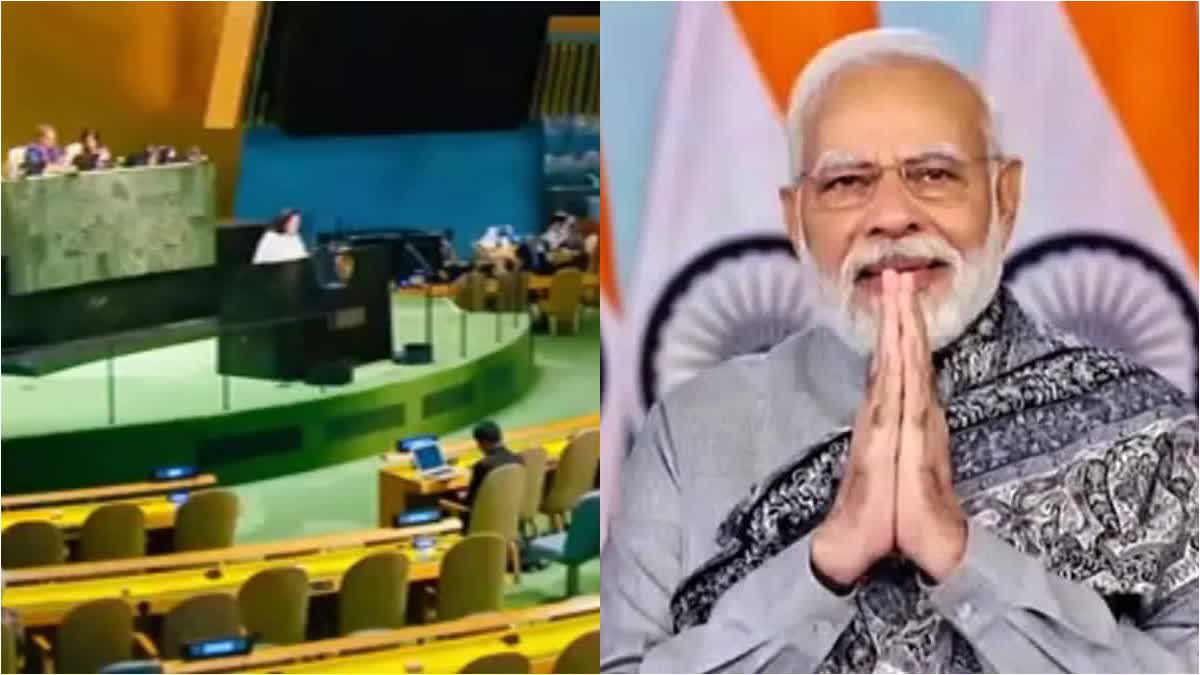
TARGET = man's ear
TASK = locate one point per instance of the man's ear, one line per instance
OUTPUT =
(1008, 195)
(789, 201)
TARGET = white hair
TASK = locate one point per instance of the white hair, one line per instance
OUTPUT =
(977, 276)
(880, 45)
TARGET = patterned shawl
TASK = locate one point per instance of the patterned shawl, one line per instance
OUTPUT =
(1071, 454)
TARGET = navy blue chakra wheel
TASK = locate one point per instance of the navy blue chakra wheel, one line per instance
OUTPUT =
(1113, 293)
(743, 296)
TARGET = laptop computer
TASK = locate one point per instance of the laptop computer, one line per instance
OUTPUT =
(407, 445)
(430, 462)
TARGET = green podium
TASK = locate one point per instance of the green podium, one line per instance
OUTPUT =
(66, 230)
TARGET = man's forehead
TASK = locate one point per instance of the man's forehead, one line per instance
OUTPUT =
(884, 112)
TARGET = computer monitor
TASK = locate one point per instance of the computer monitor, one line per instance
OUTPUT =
(213, 648)
(175, 472)
(422, 516)
(428, 456)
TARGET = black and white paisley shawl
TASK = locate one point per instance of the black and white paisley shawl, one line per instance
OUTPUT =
(1072, 454)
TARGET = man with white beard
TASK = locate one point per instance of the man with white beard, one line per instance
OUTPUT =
(928, 481)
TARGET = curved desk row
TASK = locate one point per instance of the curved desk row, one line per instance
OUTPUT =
(539, 633)
(155, 584)
(105, 493)
(159, 512)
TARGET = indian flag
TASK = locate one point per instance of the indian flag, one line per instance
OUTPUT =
(612, 416)
(1100, 101)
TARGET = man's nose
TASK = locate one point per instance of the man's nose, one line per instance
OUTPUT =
(892, 212)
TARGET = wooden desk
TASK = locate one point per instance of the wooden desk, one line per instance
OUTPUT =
(541, 282)
(542, 633)
(399, 482)
(42, 596)
(538, 283)
(159, 511)
(106, 493)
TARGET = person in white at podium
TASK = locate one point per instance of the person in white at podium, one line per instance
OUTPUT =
(281, 242)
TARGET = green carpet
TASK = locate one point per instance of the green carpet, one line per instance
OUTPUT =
(343, 497)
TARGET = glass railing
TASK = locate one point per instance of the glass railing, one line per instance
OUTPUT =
(125, 381)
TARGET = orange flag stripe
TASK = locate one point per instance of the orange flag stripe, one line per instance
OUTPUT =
(604, 248)
(783, 36)
(1144, 55)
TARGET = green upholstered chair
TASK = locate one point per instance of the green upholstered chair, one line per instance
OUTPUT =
(577, 545)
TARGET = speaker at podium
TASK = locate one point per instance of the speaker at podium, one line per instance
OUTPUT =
(312, 319)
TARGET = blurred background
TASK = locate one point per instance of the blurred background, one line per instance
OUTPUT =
(1099, 99)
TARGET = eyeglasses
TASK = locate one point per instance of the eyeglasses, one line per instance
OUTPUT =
(930, 179)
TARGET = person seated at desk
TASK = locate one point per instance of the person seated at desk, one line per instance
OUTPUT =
(496, 244)
(281, 242)
(88, 153)
(558, 232)
(495, 455)
(43, 155)
(154, 155)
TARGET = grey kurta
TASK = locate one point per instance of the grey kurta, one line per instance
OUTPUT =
(712, 441)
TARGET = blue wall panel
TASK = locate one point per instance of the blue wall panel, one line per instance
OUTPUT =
(463, 181)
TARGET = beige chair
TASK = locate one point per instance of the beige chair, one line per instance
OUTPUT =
(590, 295)
(9, 663)
(535, 486)
(581, 656)
(374, 593)
(513, 291)
(274, 605)
(206, 520)
(113, 532)
(472, 577)
(32, 543)
(497, 508)
(522, 293)
(470, 291)
(591, 244)
(93, 635)
(503, 662)
(562, 305)
(574, 477)
(200, 617)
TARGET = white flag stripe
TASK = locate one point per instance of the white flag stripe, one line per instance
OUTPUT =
(1081, 171)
